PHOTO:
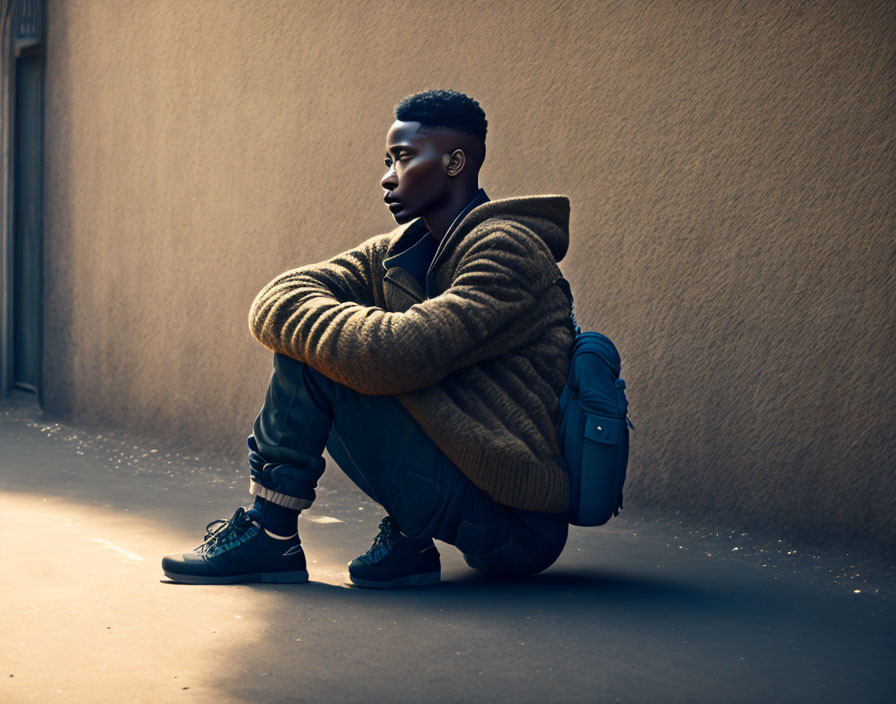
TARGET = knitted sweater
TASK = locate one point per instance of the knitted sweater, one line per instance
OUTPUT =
(479, 365)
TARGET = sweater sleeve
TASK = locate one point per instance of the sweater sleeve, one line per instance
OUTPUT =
(373, 351)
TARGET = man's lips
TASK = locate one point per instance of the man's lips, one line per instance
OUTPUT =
(394, 205)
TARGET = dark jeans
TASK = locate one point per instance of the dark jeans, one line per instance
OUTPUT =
(381, 448)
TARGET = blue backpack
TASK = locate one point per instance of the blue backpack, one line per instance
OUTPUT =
(593, 426)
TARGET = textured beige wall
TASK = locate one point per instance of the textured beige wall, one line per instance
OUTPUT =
(730, 167)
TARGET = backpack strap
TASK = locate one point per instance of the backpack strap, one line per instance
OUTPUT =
(564, 285)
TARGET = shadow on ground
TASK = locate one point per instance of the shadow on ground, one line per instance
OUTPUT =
(631, 612)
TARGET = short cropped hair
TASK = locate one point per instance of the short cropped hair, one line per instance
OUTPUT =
(446, 109)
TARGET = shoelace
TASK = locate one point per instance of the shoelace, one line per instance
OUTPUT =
(385, 539)
(221, 530)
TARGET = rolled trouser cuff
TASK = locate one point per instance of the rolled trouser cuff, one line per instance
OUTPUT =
(275, 497)
(286, 484)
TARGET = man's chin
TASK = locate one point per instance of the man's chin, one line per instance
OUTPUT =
(401, 217)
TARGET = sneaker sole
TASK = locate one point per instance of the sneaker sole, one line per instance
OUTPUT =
(296, 577)
(413, 580)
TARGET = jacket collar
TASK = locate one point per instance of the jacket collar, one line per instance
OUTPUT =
(477, 200)
(414, 233)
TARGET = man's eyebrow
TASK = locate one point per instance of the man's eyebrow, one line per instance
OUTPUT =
(395, 148)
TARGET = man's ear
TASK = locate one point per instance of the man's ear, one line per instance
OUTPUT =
(454, 162)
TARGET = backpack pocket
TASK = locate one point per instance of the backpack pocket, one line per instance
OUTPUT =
(601, 469)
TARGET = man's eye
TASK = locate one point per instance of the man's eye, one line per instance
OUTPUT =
(401, 158)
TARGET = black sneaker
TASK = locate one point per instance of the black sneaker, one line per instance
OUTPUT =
(395, 560)
(239, 550)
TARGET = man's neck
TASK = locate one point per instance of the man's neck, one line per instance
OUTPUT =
(438, 223)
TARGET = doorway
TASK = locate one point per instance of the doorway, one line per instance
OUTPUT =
(27, 230)
(24, 266)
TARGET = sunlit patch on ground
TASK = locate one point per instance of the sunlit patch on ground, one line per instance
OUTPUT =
(323, 519)
(85, 613)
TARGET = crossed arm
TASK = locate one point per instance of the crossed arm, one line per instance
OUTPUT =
(323, 315)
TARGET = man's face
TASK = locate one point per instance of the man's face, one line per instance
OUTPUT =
(416, 182)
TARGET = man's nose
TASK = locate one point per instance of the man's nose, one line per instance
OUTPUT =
(389, 180)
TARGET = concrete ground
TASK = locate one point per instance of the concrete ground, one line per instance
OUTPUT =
(645, 609)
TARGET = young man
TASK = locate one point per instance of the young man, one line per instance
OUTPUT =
(429, 362)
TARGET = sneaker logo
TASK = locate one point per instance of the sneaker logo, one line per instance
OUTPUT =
(294, 550)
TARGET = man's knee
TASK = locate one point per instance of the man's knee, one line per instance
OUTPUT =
(290, 372)
(284, 364)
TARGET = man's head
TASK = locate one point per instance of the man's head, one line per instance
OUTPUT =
(434, 151)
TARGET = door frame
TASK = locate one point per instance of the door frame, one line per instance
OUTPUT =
(22, 31)
(6, 265)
